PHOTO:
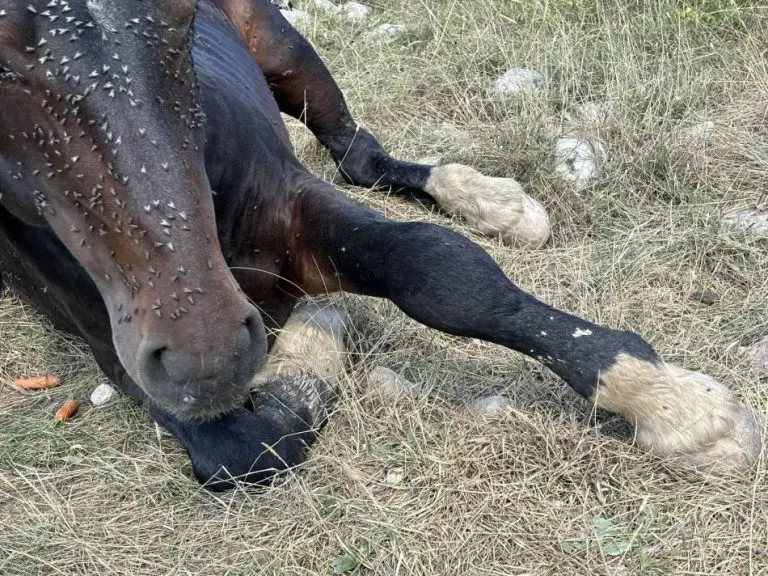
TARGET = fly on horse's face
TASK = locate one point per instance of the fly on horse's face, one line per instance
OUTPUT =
(101, 142)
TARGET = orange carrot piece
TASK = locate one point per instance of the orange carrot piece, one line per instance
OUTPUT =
(37, 382)
(65, 412)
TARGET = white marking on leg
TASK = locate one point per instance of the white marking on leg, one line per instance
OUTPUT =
(493, 206)
(681, 413)
(310, 351)
(312, 341)
(578, 333)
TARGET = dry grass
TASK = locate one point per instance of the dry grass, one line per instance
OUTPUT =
(106, 494)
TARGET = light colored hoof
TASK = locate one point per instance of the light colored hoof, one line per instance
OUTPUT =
(706, 426)
(533, 229)
(493, 206)
(729, 440)
(683, 415)
(330, 320)
(312, 341)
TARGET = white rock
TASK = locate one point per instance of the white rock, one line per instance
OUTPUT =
(351, 10)
(102, 394)
(390, 384)
(750, 221)
(489, 407)
(395, 476)
(701, 132)
(282, 4)
(295, 17)
(516, 82)
(591, 114)
(328, 6)
(757, 354)
(577, 161)
(355, 11)
(386, 33)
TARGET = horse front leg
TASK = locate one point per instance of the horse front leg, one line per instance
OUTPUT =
(447, 282)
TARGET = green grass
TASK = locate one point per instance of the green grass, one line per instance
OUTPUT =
(549, 489)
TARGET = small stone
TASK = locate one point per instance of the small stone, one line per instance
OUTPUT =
(102, 395)
(489, 407)
(591, 114)
(751, 222)
(577, 161)
(328, 6)
(516, 82)
(705, 297)
(390, 384)
(757, 354)
(355, 11)
(701, 132)
(386, 33)
(395, 476)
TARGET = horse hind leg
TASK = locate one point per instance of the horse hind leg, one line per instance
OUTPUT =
(304, 88)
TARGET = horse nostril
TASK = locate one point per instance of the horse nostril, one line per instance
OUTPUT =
(252, 322)
(257, 336)
(162, 365)
(156, 357)
(152, 365)
(226, 361)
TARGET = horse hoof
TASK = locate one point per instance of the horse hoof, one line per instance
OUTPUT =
(496, 207)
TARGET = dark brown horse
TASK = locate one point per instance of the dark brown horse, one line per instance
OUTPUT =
(143, 157)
